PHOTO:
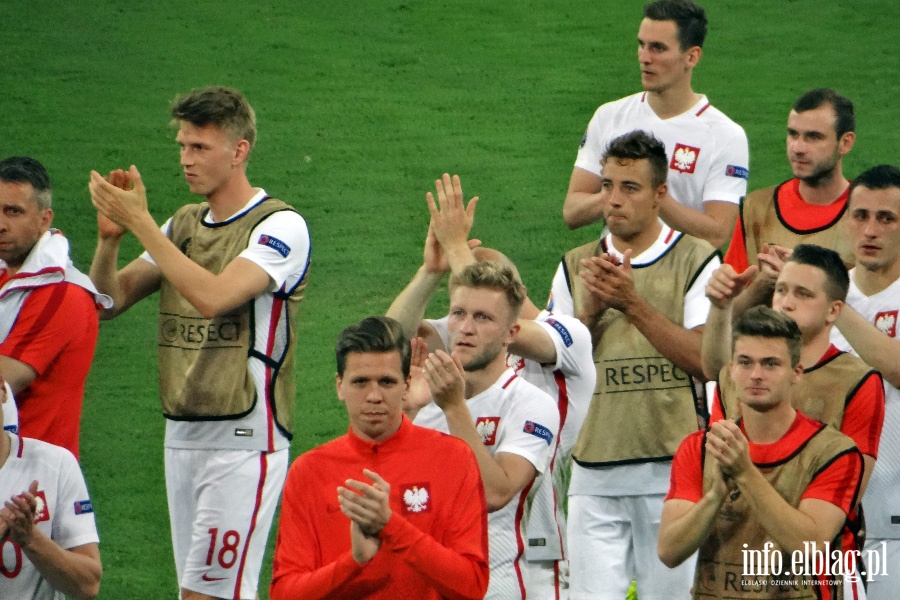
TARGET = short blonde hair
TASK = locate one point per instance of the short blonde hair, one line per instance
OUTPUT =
(494, 276)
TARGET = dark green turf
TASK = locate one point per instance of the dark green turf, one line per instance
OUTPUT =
(360, 106)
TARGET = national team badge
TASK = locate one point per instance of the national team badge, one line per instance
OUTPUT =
(41, 511)
(684, 158)
(887, 322)
(516, 363)
(487, 428)
(416, 498)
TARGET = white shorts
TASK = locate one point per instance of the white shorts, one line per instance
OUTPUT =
(221, 505)
(885, 569)
(546, 579)
(612, 540)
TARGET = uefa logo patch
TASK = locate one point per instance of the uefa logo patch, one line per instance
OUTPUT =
(684, 159)
(538, 430)
(736, 171)
(275, 244)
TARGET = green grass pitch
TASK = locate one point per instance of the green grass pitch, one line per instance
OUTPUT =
(360, 106)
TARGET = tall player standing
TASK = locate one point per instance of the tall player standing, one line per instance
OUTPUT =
(231, 273)
(707, 152)
(874, 227)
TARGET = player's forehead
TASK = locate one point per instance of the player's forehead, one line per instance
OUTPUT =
(795, 274)
(373, 365)
(874, 201)
(822, 119)
(472, 300)
(210, 133)
(761, 348)
(659, 32)
(16, 193)
(618, 170)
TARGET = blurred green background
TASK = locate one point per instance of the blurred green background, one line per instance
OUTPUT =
(360, 106)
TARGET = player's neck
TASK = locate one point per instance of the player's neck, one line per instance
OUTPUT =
(871, 282)
(673, 101)
(825, 191)
(227, 200)
(639, 242)
(813, 351)
(480, 380)
(767, 427)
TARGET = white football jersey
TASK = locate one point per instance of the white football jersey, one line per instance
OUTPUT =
(881, 503)
(65, 513)
(709, 158)
(516, 417)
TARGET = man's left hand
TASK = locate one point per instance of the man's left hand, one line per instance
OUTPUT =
(19, 513)
(366, 504)
(610, 280)
(727, 444)
(126, 207)
(444, 374)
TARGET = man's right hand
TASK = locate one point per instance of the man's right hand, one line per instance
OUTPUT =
(106, 227)
(725, 284)
(444, 374)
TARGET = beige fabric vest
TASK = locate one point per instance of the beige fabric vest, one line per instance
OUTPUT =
(720, 561)
(822, 393)
(762, 223)
(203, 363)
(643, 405)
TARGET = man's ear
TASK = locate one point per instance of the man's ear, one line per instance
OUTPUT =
(845, 144)
(661, 192)
(694, 54)
(337, 384)
(512, 333)
(46, 219)
(834, 311)
(241, 152)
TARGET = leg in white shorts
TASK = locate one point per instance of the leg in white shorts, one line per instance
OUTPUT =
(221, 505)
(546, 579)
(601, 559)
(653, 579)
(612, 540)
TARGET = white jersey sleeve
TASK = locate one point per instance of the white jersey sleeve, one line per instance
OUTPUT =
(442, 328)
(74, 524)
(696, 304)
(561, 302)
(283, 261)
(594, 142)
(530, 427)
(730, 165)
(572, 341)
